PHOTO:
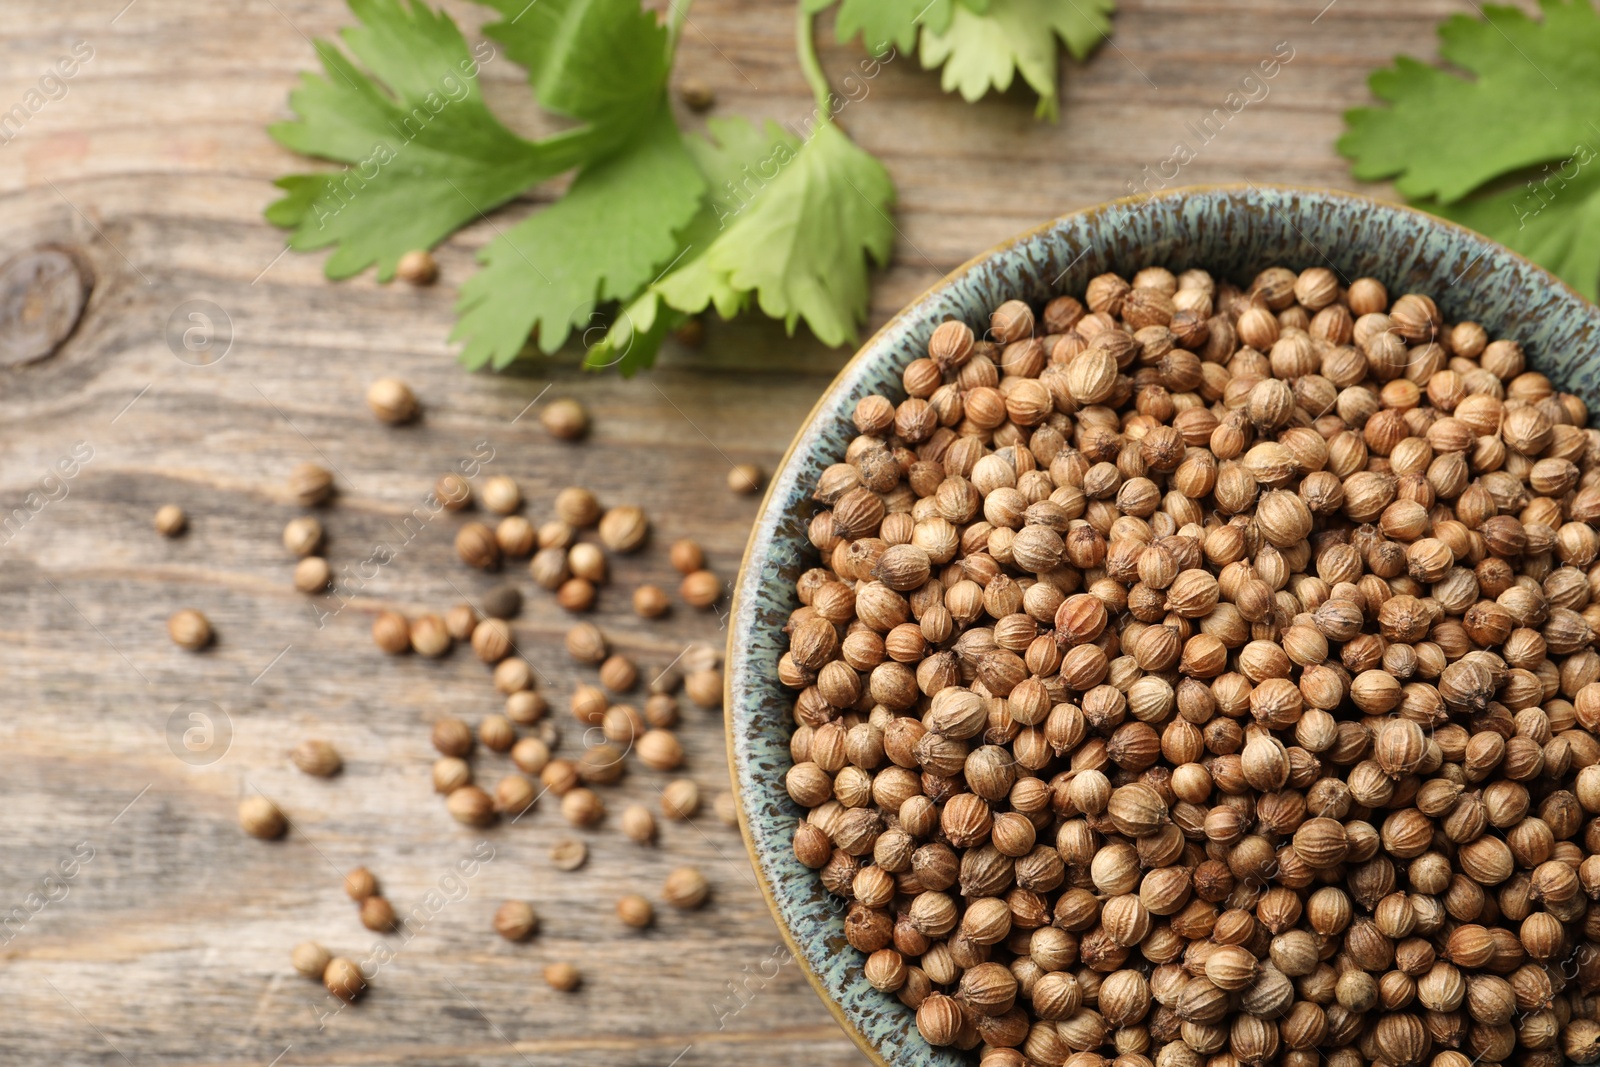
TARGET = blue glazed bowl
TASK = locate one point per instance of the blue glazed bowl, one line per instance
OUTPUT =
(1233, 231)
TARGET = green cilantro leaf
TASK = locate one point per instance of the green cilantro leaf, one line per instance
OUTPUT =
(615, 227)
(1527, 99)
(984, 50)
(890, 22)
(424, 155)
(599, 61)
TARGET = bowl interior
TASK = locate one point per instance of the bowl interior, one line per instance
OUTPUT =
(1233, 232)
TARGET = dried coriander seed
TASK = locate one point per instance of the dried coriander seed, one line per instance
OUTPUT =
(260, 817)
(460, 621)
(587, 562)
(524, 706)
(302, 536)
(417, 267)
(310, 485)
(686, 889)
(560, 776)
(496, 733)
(589, 704)
(516, 537)
(638, 824)
(502, 602)
(515, 920)
(726, 807)
(189, 629)
(660, 750)
(704, 687)
(360, 883)
(343, 979)
(391, 632)
(568, 854)
(650, 602)
(618, 673)
(310, 959)
(565, 419)
(471, 806)
(451, 773)
(430, 636)
(635, 911)
(312, 575)
(514, 795)
(377, 914)
(530, 754)
(576, 594)
(700, 589)
(680, 799)
(170, 520)
(317, 758)
(392, 401)
(624, 529)
(577, 507)
(562, 976)
(586, 644)
(501, 494)
(477, 547)
(582, 807)
(513, 675)
(696, 94)
(687, 557)
(548, 568)
(453, 492)
(746, 479)
(452, 737)
(491, 640)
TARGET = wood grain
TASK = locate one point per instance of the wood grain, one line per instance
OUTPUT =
(170, 945)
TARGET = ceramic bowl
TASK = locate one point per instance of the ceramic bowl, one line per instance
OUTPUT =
(1232, 232)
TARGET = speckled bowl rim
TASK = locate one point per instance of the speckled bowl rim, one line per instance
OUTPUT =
(742, 620)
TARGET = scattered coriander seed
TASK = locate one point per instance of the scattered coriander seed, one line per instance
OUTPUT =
(310, 959)
(430, 636)
(556, 534)
(562, 976)
(565, 418)
(576, 594)
(417, 267)
(524, 706)
(516, 920)
(686, 557)
(624, 529)
(586, 561)
(680, 799)
(638, 824)
(460, 621)
(726, 808)
(391, 632)
(514, 795)
(530, 755)
(491, 640)
(704, 687)
(650, 602)
(601, 764)
(312, 575)
(513, 675)
(622, 723)
(497, 733)
(343, 979)
(696, 94)
(560, 776)
(260, 817)
(189, 629)
(302, 536)
(582, 807)
(618, 673)
(171, 520)
(685, 888)
(635, 911)
(316, 757)
(699, 656)
(746, 479)
(516, 537)
(589, 704)
(585, 643)
(568, 854)
(453, 492)
(548, 568)
(577, 507)
(501, 495)
(452, 737)
(502, 602)
(470, 805)
(660, 750)
(701, 589)
(476, 546)
(360, 883)
(451, 773)
(377, 914)
(661, 710)
(310, 484)
(392, 401)
(667, 681)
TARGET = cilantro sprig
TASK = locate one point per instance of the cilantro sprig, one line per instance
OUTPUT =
(1509, 146)
(656, 225)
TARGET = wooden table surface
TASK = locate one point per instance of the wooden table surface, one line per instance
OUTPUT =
(168, 941)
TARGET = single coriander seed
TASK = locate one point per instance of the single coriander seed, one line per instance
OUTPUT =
(170, 520)
(701, 589)
(451, 773)
(497, 733)
(317, 758)
(624, 529)
(587, 562)
(650, 602)
(576, 594)
(491, 640)
(565, 418)
(727, 809)
(452, 737)
(704, 687)
(582, 807)
(310, 484)
(377, 914)
(189, 629)
(635, 911)
(687, 557)
(471, 806)
(429, 636)
(516, 536)
(391, 632)
(680, 799)
(343, 979)
(477, 547)
(392, 401)
(360, 883)
(586, 644)
(453, 492)
(260, 817)
(686, 889)
(460, 621)
(312, 575)
(638, 824)
(310, 959)
(562, 976)
(417, 267)
(577, 507)
(515, 920)
(501, 495)
(502, 602)
(746, 479)
(514, 795)
(302, 536)
(568, 854)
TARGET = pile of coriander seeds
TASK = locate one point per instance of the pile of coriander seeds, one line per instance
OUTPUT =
(1197, 676)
